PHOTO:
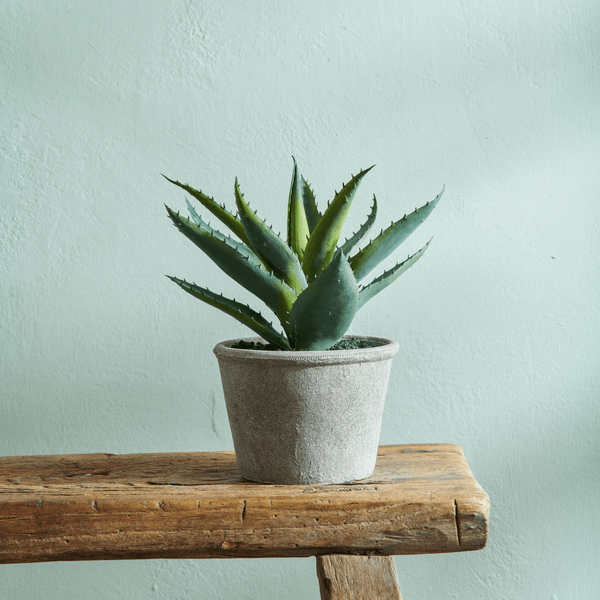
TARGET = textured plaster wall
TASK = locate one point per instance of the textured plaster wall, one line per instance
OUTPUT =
(498, 324)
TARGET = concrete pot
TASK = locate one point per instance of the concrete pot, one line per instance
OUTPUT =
(305, 417)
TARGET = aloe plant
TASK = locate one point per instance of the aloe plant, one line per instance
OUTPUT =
(309, 281)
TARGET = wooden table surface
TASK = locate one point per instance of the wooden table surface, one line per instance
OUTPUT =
(421, 499)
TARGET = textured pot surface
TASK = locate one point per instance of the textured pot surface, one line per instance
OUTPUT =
(305, 417)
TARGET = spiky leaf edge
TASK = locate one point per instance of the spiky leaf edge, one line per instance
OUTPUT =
(277, 256)
(297, 222)
(362, 231)
(323, 240)
(241, 312)
(228, 219)
(276, 294)
(240, 246)
(378, 249)
(310, 205)
(380, 283)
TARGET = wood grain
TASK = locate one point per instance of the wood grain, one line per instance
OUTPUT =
(420, 499)
(358, 578)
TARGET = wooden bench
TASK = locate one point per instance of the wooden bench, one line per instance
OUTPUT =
(421, 499)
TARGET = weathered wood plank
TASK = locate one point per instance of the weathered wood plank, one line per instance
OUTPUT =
(358, 578)
(421, 499)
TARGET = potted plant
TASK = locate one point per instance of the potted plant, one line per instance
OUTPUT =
(305, 403)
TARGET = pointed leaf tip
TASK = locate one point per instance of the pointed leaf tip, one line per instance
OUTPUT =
(324, 238)
(365, 260)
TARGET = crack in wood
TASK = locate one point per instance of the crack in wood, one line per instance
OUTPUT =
(457, 524)
(172, 483)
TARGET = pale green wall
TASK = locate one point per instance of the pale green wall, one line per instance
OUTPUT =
(498, 324)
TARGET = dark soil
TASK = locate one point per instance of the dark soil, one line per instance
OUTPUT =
(349, 344)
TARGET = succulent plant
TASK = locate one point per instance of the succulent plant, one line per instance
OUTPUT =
(311, 283)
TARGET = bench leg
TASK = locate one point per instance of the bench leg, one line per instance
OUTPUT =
(344, 577)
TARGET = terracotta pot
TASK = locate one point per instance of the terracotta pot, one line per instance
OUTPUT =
(305, 417)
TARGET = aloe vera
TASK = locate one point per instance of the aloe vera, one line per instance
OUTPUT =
(310, 281)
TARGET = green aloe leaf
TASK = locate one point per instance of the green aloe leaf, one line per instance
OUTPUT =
(310, 205)
(381, 282)
(231, 221)
(365, 260)
(324, 311)
(276, 294)
(240, 246)
(298, 231)
(360, 234)
(271, 249)
(242, 312)
(323, 240)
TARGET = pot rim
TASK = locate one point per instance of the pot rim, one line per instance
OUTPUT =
(386, 350)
